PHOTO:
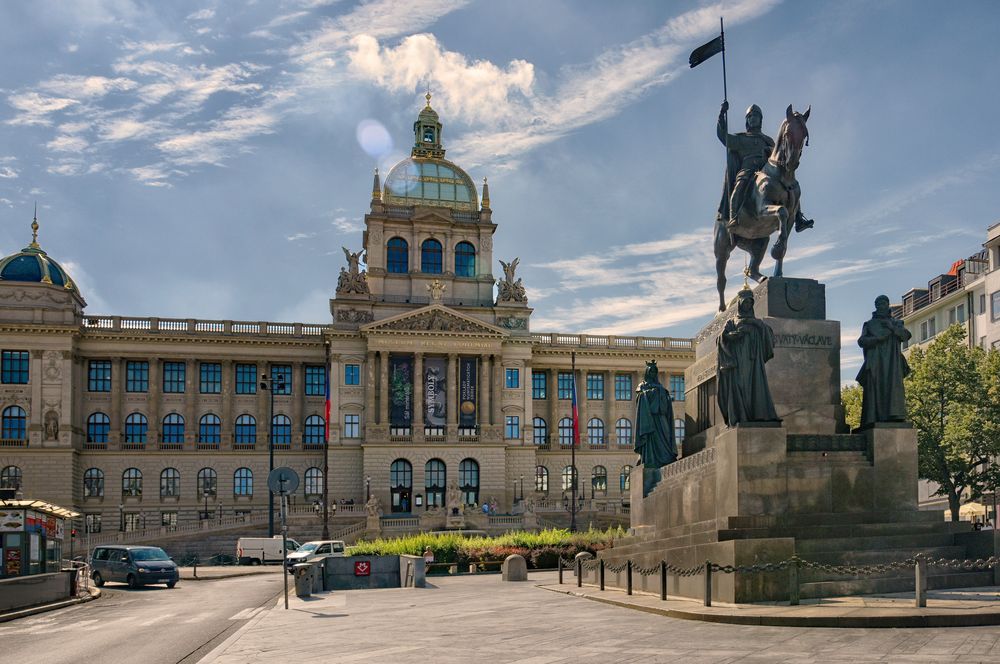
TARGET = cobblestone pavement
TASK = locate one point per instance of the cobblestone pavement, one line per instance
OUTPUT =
(481, 619)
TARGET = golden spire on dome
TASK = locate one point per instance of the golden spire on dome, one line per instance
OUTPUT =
(428, 98)
(34, 230)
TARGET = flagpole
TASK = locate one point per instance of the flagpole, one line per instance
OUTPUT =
(572, 462)
(725, 99)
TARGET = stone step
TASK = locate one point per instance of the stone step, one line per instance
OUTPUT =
(806, 548)
(838, 588)
(835, 518)
(855, 530)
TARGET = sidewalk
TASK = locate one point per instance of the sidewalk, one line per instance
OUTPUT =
(481, 619)
(210, 573)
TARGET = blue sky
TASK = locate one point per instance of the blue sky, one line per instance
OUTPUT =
(205, 160)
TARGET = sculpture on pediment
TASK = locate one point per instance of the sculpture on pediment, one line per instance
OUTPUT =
(434, 321)
(509, 289)
(354, 316)
(353, 279)
(513, 323)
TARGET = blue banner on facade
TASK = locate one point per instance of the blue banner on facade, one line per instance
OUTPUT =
(435, 391)
(400, 390)
(468, 368)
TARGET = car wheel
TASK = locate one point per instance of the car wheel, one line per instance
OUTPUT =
(255, 562)
(171, 584)
(98, 579)
(133, 582)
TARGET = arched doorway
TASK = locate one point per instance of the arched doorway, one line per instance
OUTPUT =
(401, 485)
(468, 481)
(435, 475)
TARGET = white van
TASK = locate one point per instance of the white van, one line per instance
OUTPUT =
(262, 550)
(315, 550)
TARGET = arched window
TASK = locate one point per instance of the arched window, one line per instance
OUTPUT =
(465, 260)
(132, 482)
(566, 432)
(282, 431)
(468, 481)
(208, 483)
(541, 479)
(170, 483)
(623, 431)
(431, 257)
(569, 478)
(209, 429)
(541, 431)
(595, 432)
(314, 482)
(93, 483)
(136, 427)
(98, 428)
(314, 432)
(679, 431)
(435, 481)
(599, 481)
(14, 424)
(243, 482)
(625, 479)
(246, 430)
(173, 429)
(401, 485)
(397, 259)
(10, 478)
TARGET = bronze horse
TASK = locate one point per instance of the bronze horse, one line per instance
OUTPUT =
(773, 205)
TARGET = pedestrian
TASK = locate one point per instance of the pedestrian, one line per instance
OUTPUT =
(428, 556)
(486, 507)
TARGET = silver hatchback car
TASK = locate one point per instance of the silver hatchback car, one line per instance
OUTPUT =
(135, 565)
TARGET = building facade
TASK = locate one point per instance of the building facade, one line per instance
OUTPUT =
(436, 381)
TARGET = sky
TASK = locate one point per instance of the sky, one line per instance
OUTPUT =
(209, 160)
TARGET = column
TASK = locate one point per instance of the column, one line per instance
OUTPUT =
(552, 402)
(452, 385)
(609, 415)
(153, 400)
(383, 387)
(418, 393)
(484, 392)
(191, 385)
(36, 409)
(117, 396)
(527, 426)
(497, 398)
(369, 417)
(228, 387)
(297, 402)
(333, 372)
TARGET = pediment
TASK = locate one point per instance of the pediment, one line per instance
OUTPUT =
(435, 318)
(430, 214)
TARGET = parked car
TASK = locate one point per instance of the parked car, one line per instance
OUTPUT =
(314, 550)
(262, 550)
(135, 565)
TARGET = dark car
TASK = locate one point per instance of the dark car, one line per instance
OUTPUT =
(135, 565)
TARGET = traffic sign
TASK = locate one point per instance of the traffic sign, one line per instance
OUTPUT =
(283, 481)
(362, 568)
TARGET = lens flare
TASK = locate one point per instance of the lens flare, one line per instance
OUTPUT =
(374, 138)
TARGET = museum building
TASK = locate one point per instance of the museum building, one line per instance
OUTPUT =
(435, 379)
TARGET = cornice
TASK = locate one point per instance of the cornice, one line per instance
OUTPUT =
(15, 328)
(90, 335)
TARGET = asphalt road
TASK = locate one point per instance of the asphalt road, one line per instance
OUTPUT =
(151, 625)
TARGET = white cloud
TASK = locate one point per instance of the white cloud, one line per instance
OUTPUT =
(345, 225)
(67, 143)
(7, 172)
(35, 108)
(122, 129)
(295, 237)
(84, 87)
(201, 15)
(209, 146)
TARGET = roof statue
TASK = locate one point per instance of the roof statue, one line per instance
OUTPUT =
(353, 279)
(509, 289)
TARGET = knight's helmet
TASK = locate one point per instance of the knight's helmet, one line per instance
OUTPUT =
(754, 109)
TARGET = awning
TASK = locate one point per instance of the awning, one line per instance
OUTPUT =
(41, 506)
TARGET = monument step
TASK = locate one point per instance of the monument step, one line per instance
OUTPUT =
(868, 586)
(806, 548)
(855, 530)
(835, 518)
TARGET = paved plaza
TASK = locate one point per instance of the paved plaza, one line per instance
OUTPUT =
(479, 618)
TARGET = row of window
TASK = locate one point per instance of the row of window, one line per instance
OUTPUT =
(209, 429)
(595, 385)
(431, 257)
(598, 479)
(595, 431)
(210, 377)
(170, 482)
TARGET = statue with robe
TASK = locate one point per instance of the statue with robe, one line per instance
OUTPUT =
(744, 346)
(881, 376)
(654, 424)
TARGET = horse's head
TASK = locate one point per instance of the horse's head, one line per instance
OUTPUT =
(792, 136)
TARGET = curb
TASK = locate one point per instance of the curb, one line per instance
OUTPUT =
(876, 621)
(93, 593)
(227, 576)
(220, 649)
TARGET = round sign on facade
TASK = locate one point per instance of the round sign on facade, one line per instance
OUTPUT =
(283, 481)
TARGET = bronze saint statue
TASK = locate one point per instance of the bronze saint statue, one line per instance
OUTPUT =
(745, 345)
(746, 153)
(654, 427)
(881, 376)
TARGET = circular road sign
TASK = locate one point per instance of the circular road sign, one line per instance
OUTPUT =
(283, 481)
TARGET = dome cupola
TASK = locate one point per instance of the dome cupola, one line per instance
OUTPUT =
(33, 265)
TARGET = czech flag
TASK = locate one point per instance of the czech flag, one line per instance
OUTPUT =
(576, 416)
(326, 434)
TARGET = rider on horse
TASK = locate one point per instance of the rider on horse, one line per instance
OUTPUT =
(747, 153)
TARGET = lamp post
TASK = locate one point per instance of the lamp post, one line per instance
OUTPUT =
(121, 517)
(208, 491)
(522, 487)
(368, 488)
(272, 384)
(326, 448)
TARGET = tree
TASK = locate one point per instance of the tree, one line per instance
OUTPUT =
(850, 399)
(951, 400)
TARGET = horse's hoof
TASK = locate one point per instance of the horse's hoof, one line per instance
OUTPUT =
(757, 276)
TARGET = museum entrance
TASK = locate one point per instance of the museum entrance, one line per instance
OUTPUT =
(401, 486)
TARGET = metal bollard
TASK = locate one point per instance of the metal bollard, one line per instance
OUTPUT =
(560, 566)
(579, 573)
(920, 581)
(195, 573)
(628, 577)
(708, 583)
(602, 573)
(793, 583)
(663, 580)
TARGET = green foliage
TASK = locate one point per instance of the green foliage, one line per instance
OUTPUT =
(951, 398)
(541, 550)
(850, 398)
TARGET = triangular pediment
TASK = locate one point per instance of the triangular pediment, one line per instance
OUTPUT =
(430, 214)
(435, 318)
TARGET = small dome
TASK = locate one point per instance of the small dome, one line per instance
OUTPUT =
(33, 265)
(434, 182)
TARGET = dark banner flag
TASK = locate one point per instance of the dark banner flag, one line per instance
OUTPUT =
(705, 51)
(435, 391)
(400, 390)
(468, 367)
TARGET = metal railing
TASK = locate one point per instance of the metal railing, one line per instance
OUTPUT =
(194, 326)
(612, 341)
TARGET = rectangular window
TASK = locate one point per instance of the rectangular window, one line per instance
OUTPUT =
(168, 520)
(512, 427)
(995, 306)
(246, 379)
(677, 387)
(565, 385)
(173, 377)
(315, 381)
(281, 374)
(352, 426)
(923, 331)
(99, 376)
(14, 367)
(133, 522)
(136, 376)
(211, 378)
(595, 387)
(352, 374)
(513, 379)
(93, 523)
(539, 385)
(932, 326)
(623, 387)
(982, 303)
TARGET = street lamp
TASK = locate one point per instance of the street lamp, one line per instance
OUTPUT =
(368, 488)
(121, 517)
(206, 492)
(522, 487)
(272, 384)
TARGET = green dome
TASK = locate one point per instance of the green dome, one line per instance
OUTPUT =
(33, 265)
(428, 181)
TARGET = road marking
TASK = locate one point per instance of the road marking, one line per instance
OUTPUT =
(247, 614)
(199, 617)
(155, 619)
